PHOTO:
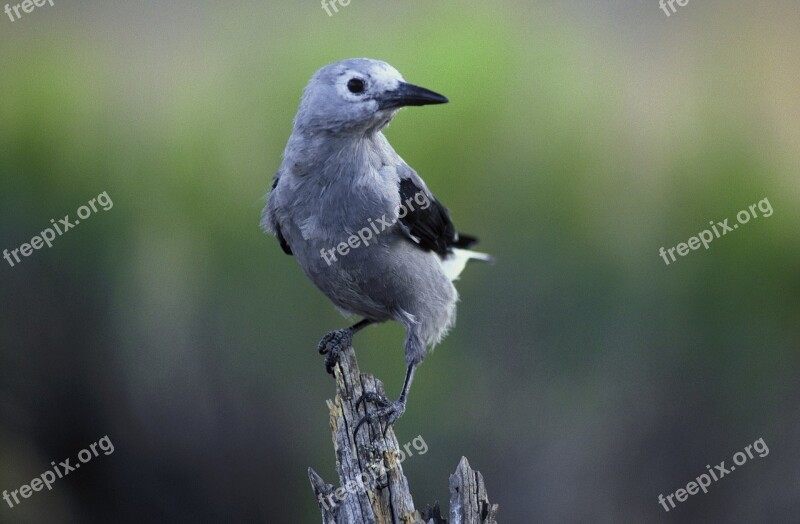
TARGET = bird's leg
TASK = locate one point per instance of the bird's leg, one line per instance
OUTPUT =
(337, 341)
(387, 410)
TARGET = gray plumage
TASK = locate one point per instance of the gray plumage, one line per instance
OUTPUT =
(340, 175)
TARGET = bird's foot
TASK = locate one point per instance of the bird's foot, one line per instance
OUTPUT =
(333, 344)
(388, 411)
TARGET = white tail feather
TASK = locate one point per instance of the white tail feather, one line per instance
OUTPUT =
(453, 264)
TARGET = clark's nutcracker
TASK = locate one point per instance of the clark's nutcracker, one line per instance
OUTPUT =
(361, 223)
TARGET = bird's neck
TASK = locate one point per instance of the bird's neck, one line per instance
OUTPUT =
(325, 156)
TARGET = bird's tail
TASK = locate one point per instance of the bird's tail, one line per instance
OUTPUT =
(454, 263)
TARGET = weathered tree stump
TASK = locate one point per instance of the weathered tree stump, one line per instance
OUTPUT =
(372, 488)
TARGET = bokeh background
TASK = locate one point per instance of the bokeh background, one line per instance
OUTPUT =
(584, 377)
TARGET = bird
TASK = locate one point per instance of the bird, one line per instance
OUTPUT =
(361, 223)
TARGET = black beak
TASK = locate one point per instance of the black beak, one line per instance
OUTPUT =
(409, 95)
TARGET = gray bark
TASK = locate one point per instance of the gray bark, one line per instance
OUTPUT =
(372, 487)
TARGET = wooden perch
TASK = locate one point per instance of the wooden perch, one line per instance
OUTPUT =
(372, 488)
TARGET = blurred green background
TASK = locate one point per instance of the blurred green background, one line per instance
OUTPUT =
(581, 137)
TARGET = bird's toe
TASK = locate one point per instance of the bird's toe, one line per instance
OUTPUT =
(333, 344)
(388, 413)
(337, 340)
(375, 398)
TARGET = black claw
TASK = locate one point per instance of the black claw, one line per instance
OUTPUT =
(371, 396)
(333, 344)
(330, 361)
(391, 411)
(337, 339)
(360, 422)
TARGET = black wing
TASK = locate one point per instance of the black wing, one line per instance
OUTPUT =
(281, 240)
(431, 228)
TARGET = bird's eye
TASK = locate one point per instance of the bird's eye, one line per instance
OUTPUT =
(355, 85)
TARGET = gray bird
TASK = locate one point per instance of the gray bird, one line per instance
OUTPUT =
(360, 222)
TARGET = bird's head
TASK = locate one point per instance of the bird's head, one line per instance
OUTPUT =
(357, 96)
